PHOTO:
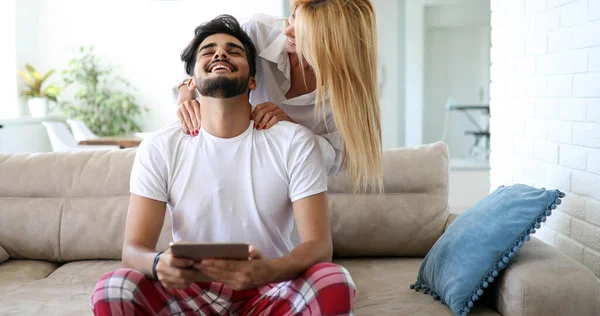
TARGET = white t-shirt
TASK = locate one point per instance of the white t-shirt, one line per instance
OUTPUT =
(273, 80)
(238, 189)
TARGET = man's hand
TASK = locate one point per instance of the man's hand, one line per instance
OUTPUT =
(238, 274)
(175, 273)
(267, 114)
(188, 112)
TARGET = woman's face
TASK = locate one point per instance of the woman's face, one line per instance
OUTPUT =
(290, 35)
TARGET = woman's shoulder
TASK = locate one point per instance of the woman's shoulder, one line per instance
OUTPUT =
(261, 20)
(263, 29)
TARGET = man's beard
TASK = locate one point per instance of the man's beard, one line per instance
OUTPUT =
(222, 87)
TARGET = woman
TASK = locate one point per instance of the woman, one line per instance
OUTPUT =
(318, 69)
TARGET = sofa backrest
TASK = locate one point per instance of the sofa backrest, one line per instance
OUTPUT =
(72, 206)
(404, 221)
(66, 206)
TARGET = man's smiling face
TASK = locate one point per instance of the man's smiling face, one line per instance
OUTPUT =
(221, 69)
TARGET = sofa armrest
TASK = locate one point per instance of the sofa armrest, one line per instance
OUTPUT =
(3, 255)
(540, 280)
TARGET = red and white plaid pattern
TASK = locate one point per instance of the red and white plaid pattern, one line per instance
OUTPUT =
(324, 289)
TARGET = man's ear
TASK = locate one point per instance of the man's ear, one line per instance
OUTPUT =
(191, 84)
(252, 83)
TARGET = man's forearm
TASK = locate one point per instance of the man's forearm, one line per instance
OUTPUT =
(139, 258)
(300, 259)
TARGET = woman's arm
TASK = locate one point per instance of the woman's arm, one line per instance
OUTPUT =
(184, 94)
(188, 110)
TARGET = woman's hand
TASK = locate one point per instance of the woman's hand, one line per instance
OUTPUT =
(188, 112)
(267, 114)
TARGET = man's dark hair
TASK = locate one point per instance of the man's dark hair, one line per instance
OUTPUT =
(223, 24)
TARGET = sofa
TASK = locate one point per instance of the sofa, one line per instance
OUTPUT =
(62, 218)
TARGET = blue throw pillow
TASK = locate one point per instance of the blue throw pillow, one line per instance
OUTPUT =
(480, 243)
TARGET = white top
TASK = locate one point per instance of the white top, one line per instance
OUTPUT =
(237, 189)
(273, 82)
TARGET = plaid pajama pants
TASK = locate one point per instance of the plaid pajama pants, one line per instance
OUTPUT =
(324, 289)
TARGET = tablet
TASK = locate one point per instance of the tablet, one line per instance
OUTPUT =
(210, 250)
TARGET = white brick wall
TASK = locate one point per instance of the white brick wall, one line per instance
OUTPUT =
(545, 105)
(573, 157)
(593, 163)
(571, 248)
(572, 109)
(593, 111)
(594, 11)
(586, 85)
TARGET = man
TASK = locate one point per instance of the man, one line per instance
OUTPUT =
(231, 183)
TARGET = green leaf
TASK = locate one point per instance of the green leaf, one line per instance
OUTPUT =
(25, 77)
(52, 91)
(29, 93)
(48, 74)
(30, 68)
(106, 103)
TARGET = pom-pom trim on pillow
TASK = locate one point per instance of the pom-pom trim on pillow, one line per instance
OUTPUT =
(500, 264)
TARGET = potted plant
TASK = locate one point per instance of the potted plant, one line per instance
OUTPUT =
(103, 101)
(36, 95)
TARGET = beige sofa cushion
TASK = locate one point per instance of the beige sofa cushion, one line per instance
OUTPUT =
(29, 227)
(3, 255)
(72, 206)
(67, 291)
(541, 280)
(66, 206)
(407, 219)
(382, 289)
(15, 274)
(421, 169)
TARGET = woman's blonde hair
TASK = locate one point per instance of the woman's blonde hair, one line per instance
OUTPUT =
(338, 39)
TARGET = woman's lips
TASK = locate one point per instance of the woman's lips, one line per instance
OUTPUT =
(290, 42)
